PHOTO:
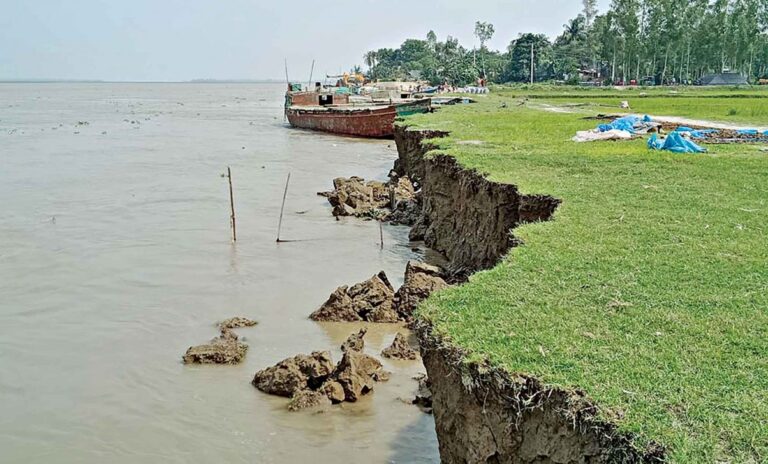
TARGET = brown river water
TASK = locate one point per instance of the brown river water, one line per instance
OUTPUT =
(115, 256)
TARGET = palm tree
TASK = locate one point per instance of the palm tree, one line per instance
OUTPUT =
(575, 29)
(370, 60)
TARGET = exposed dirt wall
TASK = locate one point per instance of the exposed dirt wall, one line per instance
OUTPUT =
(411, 147)
(465, 216)
(486, 415)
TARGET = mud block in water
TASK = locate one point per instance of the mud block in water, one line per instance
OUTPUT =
(400, 349)
(293, 375)
(223, 350)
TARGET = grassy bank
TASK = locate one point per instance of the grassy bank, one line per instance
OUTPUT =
(649, 289)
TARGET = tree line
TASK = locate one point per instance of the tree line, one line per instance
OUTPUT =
(649, 41)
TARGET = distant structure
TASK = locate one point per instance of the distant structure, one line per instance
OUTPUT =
(724, 79)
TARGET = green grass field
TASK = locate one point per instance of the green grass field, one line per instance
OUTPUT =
(730, 105)
(648, 290)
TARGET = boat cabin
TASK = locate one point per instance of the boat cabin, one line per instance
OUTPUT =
(316, 99)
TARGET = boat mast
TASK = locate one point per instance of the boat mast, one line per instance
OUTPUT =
(287, 81)
(311, 72)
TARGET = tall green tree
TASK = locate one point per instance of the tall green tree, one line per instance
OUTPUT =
(589, 11)
(521, 50)
(662, 40)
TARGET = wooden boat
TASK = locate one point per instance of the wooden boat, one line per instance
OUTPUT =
(334, 113)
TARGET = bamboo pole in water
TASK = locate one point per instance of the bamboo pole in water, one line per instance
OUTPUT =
(282, 208)
(232, 205)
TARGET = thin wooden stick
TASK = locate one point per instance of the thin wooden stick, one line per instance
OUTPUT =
(381, 235)
(232, 205)
(282, 208)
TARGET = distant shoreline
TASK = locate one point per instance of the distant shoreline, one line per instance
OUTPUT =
(193, 81)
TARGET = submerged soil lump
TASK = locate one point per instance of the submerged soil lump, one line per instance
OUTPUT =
(355, 342)
(400, 349)
(293, 375)
(371, 301)
(236, 323)
(225, 349)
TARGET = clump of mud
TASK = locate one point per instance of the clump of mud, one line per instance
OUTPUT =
(293, 375)
(313, 381)
(400, 349)
(370, 301)
(357, 197)
(236, 323)
(224, 349)
(355, 342)
(421, 280)
(374, 300)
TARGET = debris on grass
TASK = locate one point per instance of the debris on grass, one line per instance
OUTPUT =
(675, 143)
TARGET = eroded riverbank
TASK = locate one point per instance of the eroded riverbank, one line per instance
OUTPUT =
(484, 414)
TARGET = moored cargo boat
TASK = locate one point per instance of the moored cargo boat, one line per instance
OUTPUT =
(334, 113)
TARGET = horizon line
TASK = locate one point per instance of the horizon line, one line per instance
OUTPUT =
(107, 81)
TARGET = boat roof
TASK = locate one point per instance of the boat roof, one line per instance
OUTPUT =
(339, 107)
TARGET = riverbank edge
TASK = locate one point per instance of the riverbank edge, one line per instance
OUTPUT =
(483, 413)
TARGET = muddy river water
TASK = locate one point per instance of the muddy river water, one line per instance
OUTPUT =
(115, 256)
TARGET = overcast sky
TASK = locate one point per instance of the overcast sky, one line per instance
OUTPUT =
(176, 40)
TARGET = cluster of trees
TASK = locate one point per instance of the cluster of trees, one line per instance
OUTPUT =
(662, 41)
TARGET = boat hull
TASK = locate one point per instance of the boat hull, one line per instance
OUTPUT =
(370, 122)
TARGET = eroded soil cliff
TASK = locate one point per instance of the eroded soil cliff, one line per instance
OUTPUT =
(486, 415)
(465, 216)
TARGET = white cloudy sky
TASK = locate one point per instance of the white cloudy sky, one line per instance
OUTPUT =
(168, 40)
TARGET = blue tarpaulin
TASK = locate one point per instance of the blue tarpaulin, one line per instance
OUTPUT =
(631, 124)
(674, 142)
(627, 123)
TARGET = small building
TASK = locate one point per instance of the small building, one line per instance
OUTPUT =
(724, 79)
